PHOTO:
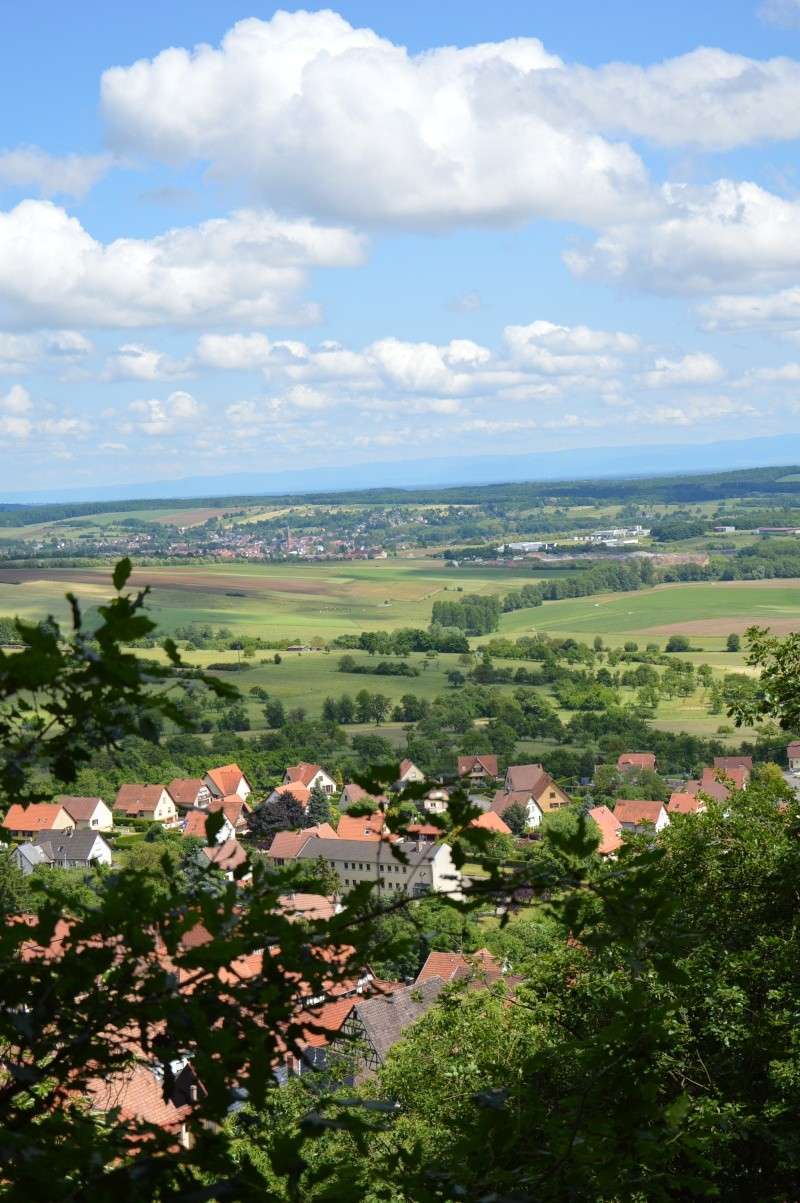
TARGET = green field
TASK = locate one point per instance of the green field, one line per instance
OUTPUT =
(295, 601)
(306, 602)
(706, 612)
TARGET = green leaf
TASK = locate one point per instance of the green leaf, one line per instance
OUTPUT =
(122, 572)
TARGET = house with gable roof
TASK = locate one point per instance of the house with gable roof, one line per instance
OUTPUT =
(639, 815)
(535, 779)
(227, 857)
(634, 761)
(194, 826)
(236, 810)
(352, 793)
(478, 770)
(90, 814)
(685, 804)
(292, 789)
(409, 774)
(309, 775)
(610, 829)
(24, 822)
(189, 793)
(227, 779)
(74, 849)
(504, 799)
(146, 802)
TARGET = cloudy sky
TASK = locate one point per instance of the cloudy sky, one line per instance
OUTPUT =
(245, 237)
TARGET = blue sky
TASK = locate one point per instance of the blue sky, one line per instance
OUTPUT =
(392, 232)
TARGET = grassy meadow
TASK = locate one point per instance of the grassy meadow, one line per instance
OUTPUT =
(310, 602)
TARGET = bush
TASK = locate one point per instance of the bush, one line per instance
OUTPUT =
(678, 643)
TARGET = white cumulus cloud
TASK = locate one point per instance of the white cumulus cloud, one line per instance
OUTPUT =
(721, 238)
(696, 368)
(251, 267)
(52, 175)
(156, 417)
(325, 118)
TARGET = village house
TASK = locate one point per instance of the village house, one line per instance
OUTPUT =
(491, 821)
(74, 849)
(28, 857)
(90, 814)
(361, 827)
(635, 761)
(534, 779)
(286, 844)
(504, 799)
(352, 793)
(309, 775)
(479, 968)
(236, 811)
(793, 756)
(291, 789)
(24, 822)
(376, 1024)
(146, 802)
(435, 801)
(640, 816)
(430, 867)
(227, 857)
(726, 763)
(140, 1095)
(685, 804)
(194, 826)
(409, 775)
(189, 792)
(227, 779)
(610, 829)
(716, 783)
(478, 770)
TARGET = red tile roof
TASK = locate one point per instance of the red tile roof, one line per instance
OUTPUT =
(467, 763)
(307, 906)
(134, 799)
(491, 821)
(235, 809)
(286, 844)
(636, 760)
(610, 829)
(37, 816)
(455, 966)
(184, 790)
(361, 827)
(726, 763)
(301, 793)
(737, 773)
(227, 856)
(532, 777)
(79, 809)
(637, 811)
(226, 778)
(302, 772)
(685, 804)
(195, 825)
(793, 749)
(502, 800)
(139, 1094)
(320, 1024)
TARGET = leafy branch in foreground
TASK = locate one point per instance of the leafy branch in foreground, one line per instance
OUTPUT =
(64, 695)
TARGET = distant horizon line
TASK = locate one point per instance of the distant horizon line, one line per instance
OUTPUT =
(441, 473)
